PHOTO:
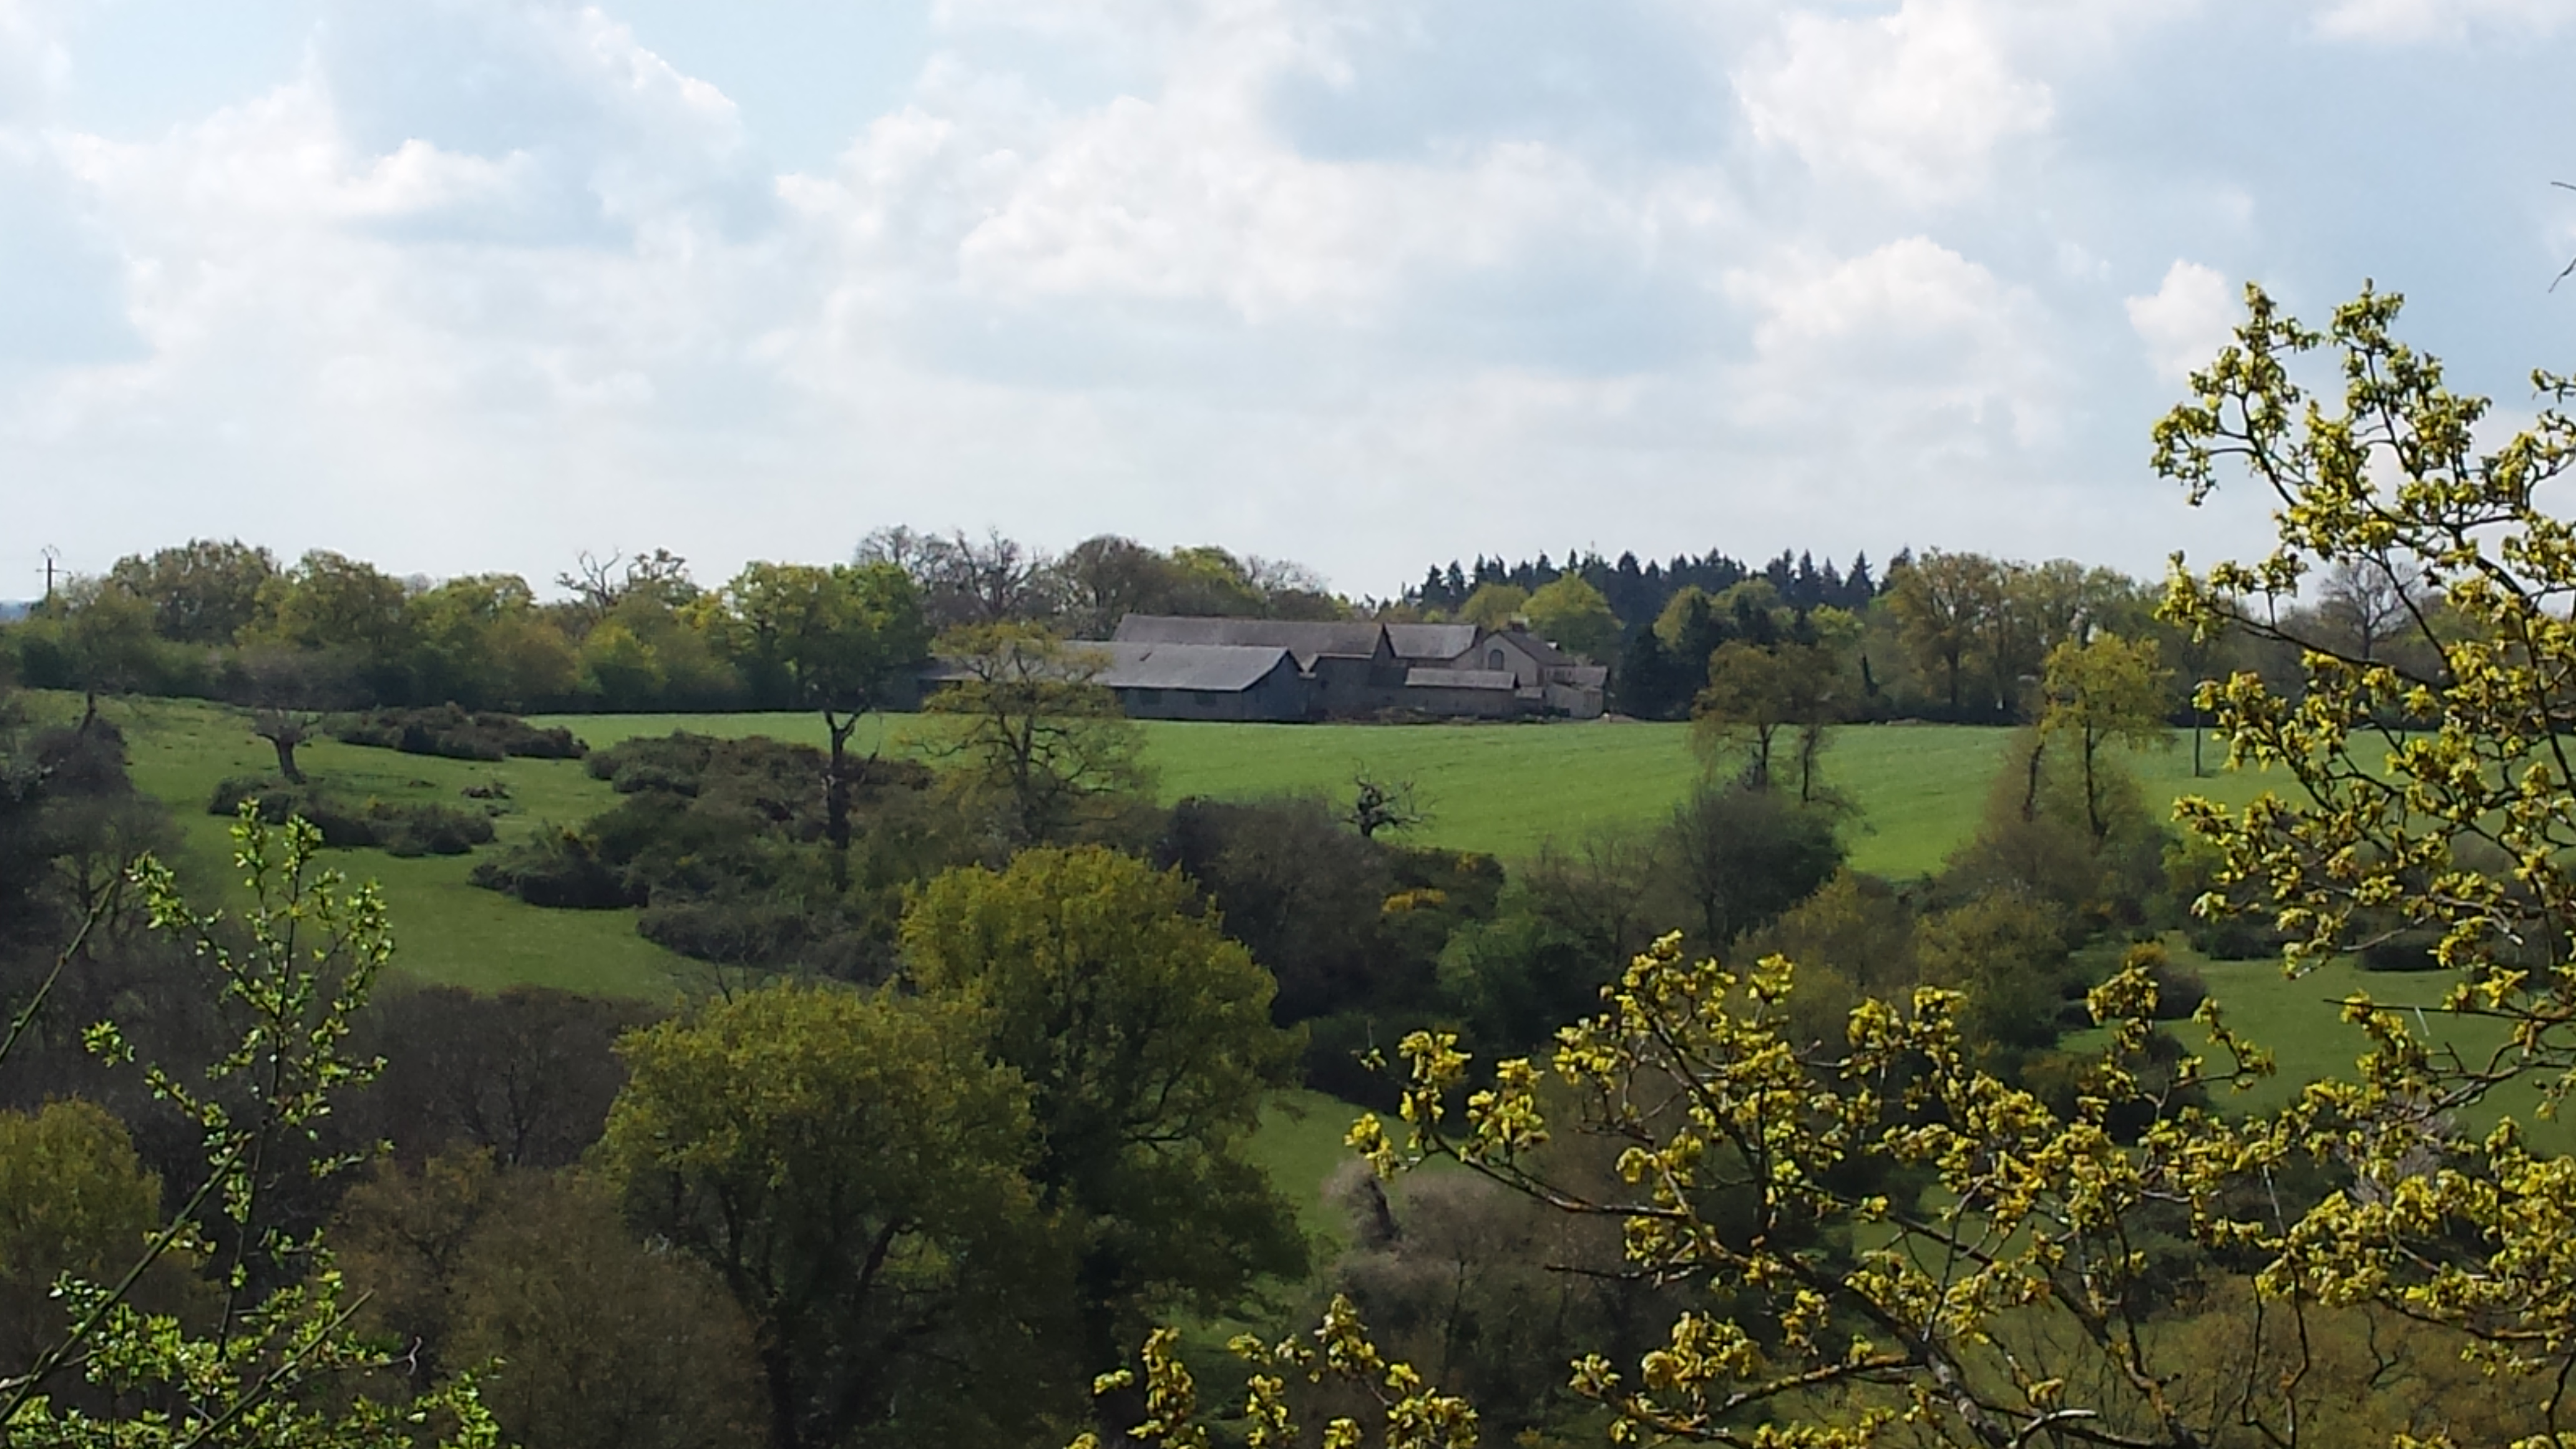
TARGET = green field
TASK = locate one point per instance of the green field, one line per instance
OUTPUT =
(1508, 789)
(1502, 789)
(445, 930)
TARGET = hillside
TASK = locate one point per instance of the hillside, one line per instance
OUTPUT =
(1504, 790)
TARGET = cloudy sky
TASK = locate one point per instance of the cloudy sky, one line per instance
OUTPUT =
(475, 284)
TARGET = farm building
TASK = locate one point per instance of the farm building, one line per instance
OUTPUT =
(1169, 667)
(1204, 681)
(1355, 671)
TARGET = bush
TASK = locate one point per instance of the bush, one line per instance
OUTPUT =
(559, 869)
(773, 935)
(2406, 951)
(455, 734)
(2234, 938)
(2179, 990)
(403, 830)
(672, 763)
(409, 830)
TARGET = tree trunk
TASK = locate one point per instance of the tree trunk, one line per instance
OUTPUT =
(2093, 791)
(285, 745)
(1118, 1410)
(836, 794)
(779, 1377)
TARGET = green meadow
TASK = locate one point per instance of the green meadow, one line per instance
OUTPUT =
(1509, 789)
(1503, 789)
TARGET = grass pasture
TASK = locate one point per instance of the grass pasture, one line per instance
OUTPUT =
(1502, 789)
(1508, 789)
(445, 930)
(2298, 1021)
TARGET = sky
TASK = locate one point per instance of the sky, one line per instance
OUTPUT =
(470, 285)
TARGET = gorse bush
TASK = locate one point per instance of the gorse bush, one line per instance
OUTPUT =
(560, 869)
(726, 845)
(412, 829)
(456, 734)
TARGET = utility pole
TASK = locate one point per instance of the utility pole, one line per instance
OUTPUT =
(53, 558)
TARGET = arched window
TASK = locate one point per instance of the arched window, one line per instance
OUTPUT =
(1494, 659)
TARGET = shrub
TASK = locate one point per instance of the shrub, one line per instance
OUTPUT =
(561, 869)
(398, 829)
(2404, 951)
(774, 935)
(409, 830)
(452, 733)
(673, 764)
(2234, 938)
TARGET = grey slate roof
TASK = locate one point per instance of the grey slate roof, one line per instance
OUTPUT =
(1303, 639)
(1431, 641)
(1419, 678)
(1217, 668)
(1536, 647)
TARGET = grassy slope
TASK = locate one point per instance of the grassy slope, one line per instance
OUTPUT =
(1501, 789)
(2296, 1020)
(445, 930)
(1507, 789)
(1299, 1145)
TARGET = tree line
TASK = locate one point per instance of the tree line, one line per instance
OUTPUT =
(227, 620)
(1957, 636)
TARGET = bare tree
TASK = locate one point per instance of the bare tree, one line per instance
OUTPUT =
(2370, 602)
(964, 580)
(598, 585)
(1381, 804)
(291, 690)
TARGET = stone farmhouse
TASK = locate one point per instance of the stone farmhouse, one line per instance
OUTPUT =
(1168, 667)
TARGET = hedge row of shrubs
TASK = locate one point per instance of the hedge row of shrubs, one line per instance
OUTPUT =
(396, 829)
(721, 843)
(561, 870)
(456, 734)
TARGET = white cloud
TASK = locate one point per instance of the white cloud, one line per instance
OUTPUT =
(1190, 196)
(1909, 336)
(2185, 320)
(1244, 270)
(1918, 100)
(34, 63)
(2403, 21)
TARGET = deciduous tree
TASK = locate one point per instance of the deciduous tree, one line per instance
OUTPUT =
(203, 592)
(272, 1362)
(1145, 1038)
(1494, 606)
(2104, 692)
(835, 639)
(1572, 615)
(1037, 730)
(851, 1167)
(1942, 601)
